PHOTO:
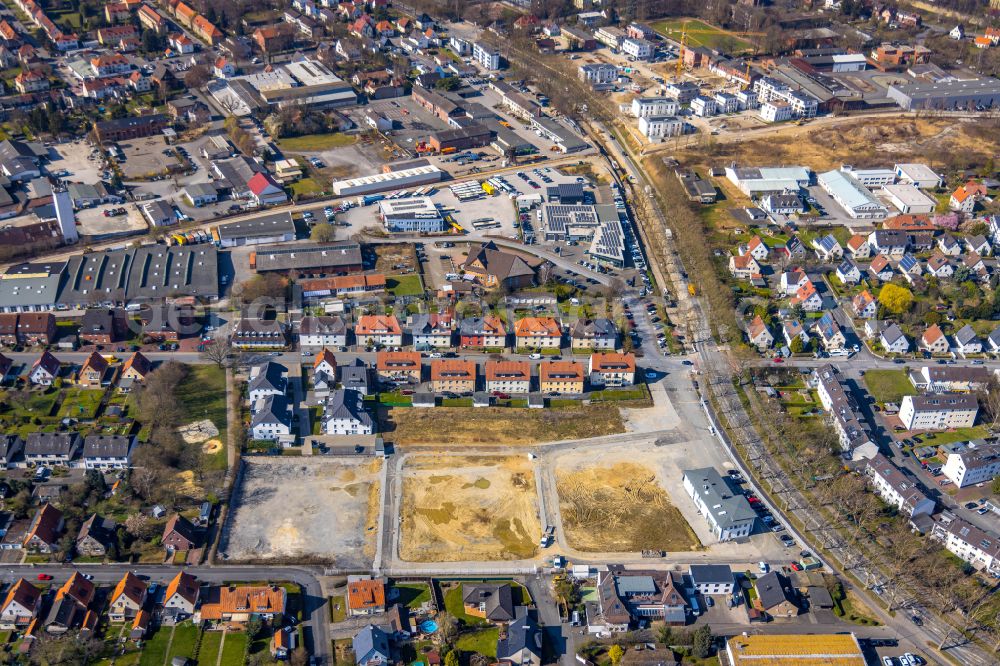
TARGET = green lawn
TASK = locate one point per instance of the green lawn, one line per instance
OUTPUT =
(412, 595)
(211, 643)
(203, 396)
(154, 651)
(81, 403)
(453, 604)
(483, 642)
(338, 609)
(185, 639)
(405, 285)
(233, 649)
(306, 187)
(889, 385)
(949, 436)
(700, 33)
(316, 142)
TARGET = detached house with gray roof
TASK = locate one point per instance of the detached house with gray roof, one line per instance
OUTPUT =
(271, 418)
(371, 647)
(269, 378)
(493, 602)
(522, 644)
(894, 341)
(728, 513)
(594, 334)
(344, 414)
(967, 342)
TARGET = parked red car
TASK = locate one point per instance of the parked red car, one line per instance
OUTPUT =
(44, 577)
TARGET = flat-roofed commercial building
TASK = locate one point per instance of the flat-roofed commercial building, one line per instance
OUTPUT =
(338, 258)
(908, 199)
(143, 274)
(274, 228)
(418, 214)
(795, 650)
(383, 182)
(461, 138)
(31, 287)
(983, 93)
(758, 181)
(856, 199)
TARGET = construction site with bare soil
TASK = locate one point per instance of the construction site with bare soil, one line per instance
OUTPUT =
(457, 508)
(619, 507)
(295, 510)
(828, 142)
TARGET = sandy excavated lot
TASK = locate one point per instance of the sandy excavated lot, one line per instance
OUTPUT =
(461, 508)
(613, 505)
(301, 511)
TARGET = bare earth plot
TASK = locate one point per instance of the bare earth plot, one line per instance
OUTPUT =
(618, 507)
(468, 508)
(296, 511)
(500, 425)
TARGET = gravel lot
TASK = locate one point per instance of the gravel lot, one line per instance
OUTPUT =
(305, 510)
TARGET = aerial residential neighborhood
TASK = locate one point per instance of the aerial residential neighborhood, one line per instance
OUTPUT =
(600, 332)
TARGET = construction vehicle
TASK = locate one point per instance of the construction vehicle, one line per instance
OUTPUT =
(448, 151)
(505, 124)
(692, 290)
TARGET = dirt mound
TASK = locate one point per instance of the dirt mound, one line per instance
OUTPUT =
(212, 446)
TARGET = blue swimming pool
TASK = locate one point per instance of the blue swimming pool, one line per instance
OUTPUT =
(428, 626)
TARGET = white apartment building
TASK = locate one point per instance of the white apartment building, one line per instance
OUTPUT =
(661, 127)
(729, 515)
(892, 486)
(486, 55)
(800, 104)
(747, 99)
(726, 103)
(640, 49)
(650, 107)
(938, 411)
(871, 177)
(775, 112)
(703, 106)
(610, 36)
(978, 463)
(599, 73)
(847, 420)
(978, 548)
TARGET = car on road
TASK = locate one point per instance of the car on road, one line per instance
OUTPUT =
(917, 620)
(763, 567)
(983, 511)
(650, 374)
(796, 566)
(968, 505)
(778, 359)
(44, 576)
(534, 356)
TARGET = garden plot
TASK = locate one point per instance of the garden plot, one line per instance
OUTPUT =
(305, 511)
(464, 508)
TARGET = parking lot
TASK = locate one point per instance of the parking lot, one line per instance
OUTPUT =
(75, 158)
(95, 225)
(145, 158)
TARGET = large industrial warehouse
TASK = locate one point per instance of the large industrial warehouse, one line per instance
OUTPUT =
(963, 95)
